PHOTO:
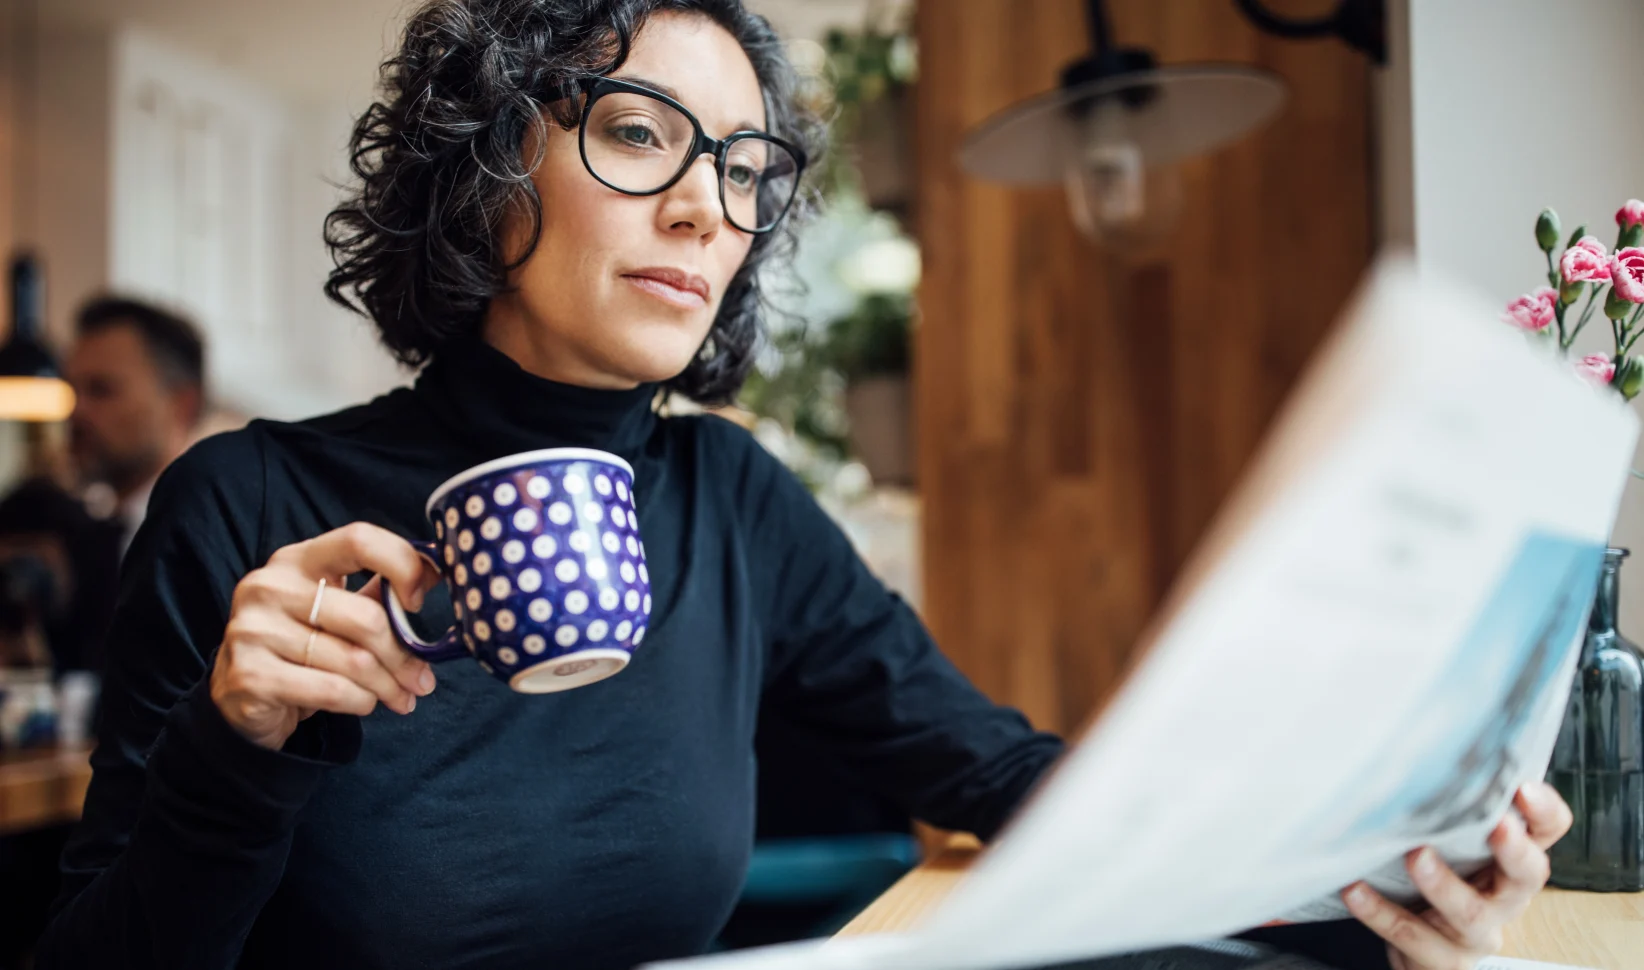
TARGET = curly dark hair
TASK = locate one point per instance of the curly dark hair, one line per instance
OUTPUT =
(417, 244)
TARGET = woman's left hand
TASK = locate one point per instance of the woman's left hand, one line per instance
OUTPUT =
(1465, 921)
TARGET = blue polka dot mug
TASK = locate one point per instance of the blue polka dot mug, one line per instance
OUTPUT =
(546, 567)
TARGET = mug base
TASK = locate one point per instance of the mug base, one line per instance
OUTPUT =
(570, 670)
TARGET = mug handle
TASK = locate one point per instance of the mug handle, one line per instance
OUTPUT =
(448, 647)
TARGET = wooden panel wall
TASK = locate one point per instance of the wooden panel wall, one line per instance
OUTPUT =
(1080, 416)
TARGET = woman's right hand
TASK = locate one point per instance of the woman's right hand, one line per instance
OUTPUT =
(260, 680)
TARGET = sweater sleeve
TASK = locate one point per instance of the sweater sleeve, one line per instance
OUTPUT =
(186, 824)
(853, 670)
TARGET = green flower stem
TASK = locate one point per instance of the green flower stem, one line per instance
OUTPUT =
(1586, 313)
(1558, 301)
(1631, 331)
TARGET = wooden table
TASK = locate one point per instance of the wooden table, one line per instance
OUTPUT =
(44, 787)
(1600, 930)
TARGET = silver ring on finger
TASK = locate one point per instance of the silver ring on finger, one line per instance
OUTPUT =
(308, 648)
(314, 611)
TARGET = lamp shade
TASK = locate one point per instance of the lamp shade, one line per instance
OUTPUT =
(31, 386)
(1150, 118)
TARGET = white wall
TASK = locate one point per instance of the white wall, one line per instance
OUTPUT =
(220, 190)
(69, 194)
(1515, 105)
(159, 173)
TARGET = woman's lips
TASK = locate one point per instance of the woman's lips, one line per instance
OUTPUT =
(679, 290)
(689, 299)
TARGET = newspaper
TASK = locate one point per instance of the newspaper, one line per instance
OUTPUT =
(1369, 652)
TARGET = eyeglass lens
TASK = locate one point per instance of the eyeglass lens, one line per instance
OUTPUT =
(637, 144)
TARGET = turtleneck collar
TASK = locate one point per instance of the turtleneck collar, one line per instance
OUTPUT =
(491, 401)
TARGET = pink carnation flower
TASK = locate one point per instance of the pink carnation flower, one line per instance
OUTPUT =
(1630, 214)
(1596, 369)
(1627, 273)
(1532, 311)
(1586, 261)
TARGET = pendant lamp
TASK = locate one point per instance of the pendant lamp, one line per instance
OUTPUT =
(1115, 131)
(31, 386)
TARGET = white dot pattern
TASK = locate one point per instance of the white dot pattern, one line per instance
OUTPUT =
(529, 556)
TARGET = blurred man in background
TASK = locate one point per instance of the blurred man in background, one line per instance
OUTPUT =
(138, 373)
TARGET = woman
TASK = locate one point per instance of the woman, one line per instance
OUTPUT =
(544, 224)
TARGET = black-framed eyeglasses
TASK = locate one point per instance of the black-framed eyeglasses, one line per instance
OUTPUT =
(640, 142)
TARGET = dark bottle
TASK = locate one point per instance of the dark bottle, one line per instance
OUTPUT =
(1598, 763)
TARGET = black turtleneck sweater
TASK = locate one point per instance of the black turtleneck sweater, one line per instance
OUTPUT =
(597, 828)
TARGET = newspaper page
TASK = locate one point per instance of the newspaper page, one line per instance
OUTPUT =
(1369, 652)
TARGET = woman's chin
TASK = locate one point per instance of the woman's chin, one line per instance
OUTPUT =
(653, 355)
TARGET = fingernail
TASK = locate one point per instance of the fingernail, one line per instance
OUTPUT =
(1426, 863)
(410, 704)
(425, 680)
(1358, 895)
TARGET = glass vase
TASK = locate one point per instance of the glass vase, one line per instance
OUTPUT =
(1598, 763)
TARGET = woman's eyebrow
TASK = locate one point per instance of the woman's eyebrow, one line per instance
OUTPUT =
(661, 88)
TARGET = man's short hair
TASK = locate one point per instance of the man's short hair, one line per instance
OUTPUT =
(173, 342)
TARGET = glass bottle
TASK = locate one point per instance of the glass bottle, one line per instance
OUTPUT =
(1598, 763)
